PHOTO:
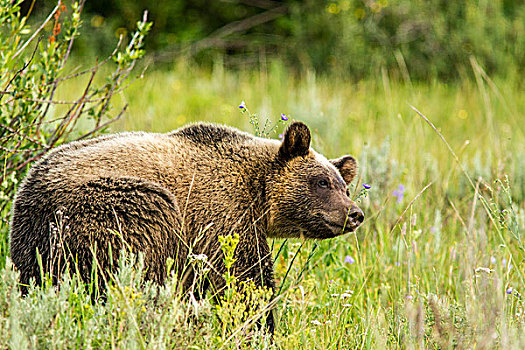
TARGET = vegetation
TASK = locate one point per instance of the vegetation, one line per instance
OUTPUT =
(438, 263)
(32, 70)
(413, 39)
(438, 260)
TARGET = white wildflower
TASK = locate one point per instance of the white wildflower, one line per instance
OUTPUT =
(484, 269)
(198, 257)
(346, 295)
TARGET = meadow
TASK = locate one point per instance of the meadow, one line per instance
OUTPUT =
(438, 262)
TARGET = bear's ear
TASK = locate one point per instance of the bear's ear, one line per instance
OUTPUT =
(296, 141)
(347, 167)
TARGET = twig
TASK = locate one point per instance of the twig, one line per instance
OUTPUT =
(17, 132)
(38, 30)
(71, 76)
(35, 157)
(60, 129)
(14, 150)
(21, 69)
(63, 62)
(102, 126)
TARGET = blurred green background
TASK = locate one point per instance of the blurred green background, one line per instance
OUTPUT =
(412, 39)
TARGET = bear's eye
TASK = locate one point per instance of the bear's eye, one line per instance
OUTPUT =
(323, 183)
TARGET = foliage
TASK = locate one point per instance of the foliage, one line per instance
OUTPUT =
(32, 69)
(418, 40)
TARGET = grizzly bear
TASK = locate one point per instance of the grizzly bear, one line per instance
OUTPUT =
(169, 195)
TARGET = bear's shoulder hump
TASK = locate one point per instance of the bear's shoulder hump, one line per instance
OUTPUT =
(206, 133)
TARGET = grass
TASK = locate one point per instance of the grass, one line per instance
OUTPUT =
(438, 264)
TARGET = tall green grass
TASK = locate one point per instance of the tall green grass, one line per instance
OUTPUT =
(438, 262)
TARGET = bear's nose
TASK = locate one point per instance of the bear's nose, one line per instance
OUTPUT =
(356, 215)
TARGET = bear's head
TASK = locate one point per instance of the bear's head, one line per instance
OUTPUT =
(309, 194)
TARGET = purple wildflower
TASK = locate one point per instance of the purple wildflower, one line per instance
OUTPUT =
(349, 260)
(367, 186)
(242, 105)
(509, 290)
(493, 260)
(399, 193)
(284, 117)
(409, 297)
(281, 136)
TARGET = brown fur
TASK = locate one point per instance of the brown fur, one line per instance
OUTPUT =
(161, 193)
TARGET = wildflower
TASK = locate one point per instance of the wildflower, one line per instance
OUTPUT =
(397, 263)
(409, 297)
(281, 136)
(399, 193)
(284, 117)
(317, 323)
(484, 269)
(509, 290)
(242, 105)
(331, 281)
(198, 257)
(349, 260)
(367, 186)
(346, 295)
(493, 260)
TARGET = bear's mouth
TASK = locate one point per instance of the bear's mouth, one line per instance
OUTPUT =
(341, 229)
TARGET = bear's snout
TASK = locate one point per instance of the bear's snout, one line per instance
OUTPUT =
(344, 219)
(345, 216)
(355, 217)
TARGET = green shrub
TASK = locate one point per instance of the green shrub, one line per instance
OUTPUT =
(32, 68)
